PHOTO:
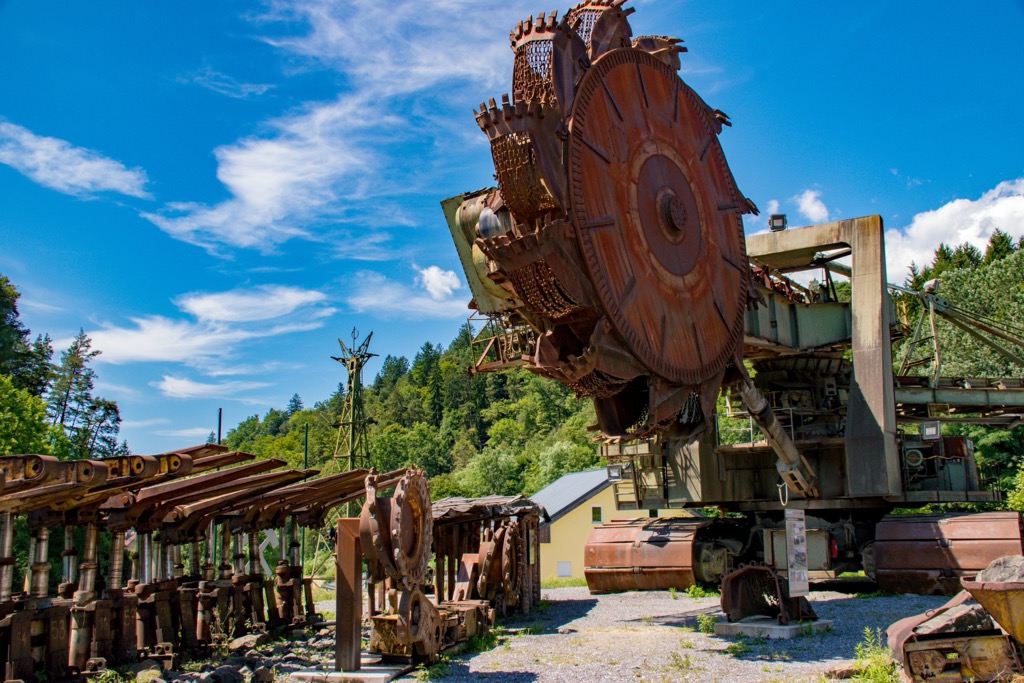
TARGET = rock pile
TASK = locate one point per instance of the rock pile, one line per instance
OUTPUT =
(1009, 568)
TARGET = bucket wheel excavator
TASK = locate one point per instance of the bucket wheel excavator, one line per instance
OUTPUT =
(611, 257)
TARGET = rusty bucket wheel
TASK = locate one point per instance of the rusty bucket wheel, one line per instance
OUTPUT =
(657, 215)
(411, 528)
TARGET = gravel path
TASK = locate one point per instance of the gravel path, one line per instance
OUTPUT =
(653, 636)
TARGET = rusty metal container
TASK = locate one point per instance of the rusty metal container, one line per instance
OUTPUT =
(930, 553)
(642, 554)
(1004, 601)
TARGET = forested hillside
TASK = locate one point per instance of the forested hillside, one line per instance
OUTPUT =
(988, 286)
(507, 432)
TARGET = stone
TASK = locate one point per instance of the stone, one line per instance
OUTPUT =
(842, 671)
(254, 654)
(262, 675)
(144, 665)
(1006, 568)
(290, 657)
(228, 674)
(248, 642)
(965, 617)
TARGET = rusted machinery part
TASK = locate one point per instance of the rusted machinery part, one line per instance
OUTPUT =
(373, 532)
(489, 554)
(396, 531)
(419, 622)
(1004, 601)
(620, 199)
(411, 528)
(511, 569)
(652, 554)
(930, 553)
(658, 215)
(756, 589)
(956, 643)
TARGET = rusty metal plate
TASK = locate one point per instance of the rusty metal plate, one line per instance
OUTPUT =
(929, 553)
(641, 554)
(658, 216)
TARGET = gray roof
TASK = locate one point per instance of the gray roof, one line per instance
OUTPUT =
(569, 490)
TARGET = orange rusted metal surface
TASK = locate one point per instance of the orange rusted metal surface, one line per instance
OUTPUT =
(614, 199)
(642, 554)
(930, 553)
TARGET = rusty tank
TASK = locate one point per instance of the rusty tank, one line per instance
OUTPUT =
(611, 257)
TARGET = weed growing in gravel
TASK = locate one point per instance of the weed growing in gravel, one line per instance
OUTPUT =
(739, 647)
(646, 619)
(686, 643)
(706, 622)
(673, 593)
(681, 662)
(432, 672)
(873, 661)
(874, 594)
(697, 591)
(482, 641)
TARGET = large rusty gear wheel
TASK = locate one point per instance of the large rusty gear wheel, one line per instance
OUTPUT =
(411, 528)
(658, 216)
(511, 574)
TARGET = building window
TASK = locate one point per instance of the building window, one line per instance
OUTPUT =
(564, 568)
(595, 514)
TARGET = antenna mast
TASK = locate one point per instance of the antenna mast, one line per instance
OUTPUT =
(351, 443)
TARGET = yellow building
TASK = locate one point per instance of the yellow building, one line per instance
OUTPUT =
(576, 503)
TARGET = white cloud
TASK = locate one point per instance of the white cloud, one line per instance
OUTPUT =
(440, 284)
(223, 320)
(158, 338)
(61, 166)
(140, 424)
(225, 85)
(187, 433)
(180, 387)
(311, 164)
(324, 164)
(771, 207)
(956, 222)
(811, 207)
(387, 298)
(244, 305)
(420, 52)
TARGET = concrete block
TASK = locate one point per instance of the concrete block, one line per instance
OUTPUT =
(767, 627)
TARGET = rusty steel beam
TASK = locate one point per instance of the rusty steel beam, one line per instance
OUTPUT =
(153, 502)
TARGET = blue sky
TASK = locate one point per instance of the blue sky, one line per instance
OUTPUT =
(216, 191)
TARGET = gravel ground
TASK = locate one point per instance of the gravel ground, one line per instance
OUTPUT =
(653, 636)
